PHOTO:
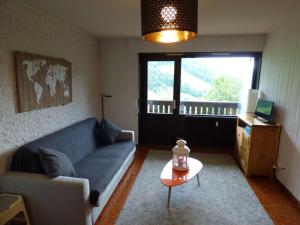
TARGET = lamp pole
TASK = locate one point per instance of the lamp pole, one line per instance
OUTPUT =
(102, 102)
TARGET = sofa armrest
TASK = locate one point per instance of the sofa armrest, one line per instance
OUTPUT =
(126, 135)
(61, 200)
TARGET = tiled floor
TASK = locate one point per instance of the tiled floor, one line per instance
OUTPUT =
(281, 206)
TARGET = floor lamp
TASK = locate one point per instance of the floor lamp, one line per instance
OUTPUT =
(102, 102)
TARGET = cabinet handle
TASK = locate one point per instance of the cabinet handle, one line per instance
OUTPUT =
(243, 162)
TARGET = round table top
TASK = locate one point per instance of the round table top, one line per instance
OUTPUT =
(171, 177)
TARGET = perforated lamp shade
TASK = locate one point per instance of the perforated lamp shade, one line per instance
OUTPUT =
(168, 21)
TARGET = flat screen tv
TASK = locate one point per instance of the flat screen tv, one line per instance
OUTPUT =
(264, 109)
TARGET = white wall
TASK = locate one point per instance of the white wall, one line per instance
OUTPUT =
(120, 75)
(280, 82)
(25, 29)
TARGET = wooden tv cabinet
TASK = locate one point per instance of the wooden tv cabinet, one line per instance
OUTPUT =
(256, 145)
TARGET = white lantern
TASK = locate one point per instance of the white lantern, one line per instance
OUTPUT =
(181, 156)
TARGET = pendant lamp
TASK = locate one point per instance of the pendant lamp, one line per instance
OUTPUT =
(169, 21)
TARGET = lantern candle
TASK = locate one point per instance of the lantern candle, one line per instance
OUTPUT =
(180, 155)
(181, 161)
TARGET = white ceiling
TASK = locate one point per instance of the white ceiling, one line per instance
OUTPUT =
(121, 18)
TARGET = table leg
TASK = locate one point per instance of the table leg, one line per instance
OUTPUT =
(169, 196)
(198, 179)
(23, 209)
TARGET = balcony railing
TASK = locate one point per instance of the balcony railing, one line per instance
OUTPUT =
(194, 108)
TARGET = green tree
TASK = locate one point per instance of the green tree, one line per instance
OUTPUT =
(187, 89)
(159, 79)
(225, 88)
(197, 69)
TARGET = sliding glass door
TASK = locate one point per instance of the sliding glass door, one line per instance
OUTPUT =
(189, 95)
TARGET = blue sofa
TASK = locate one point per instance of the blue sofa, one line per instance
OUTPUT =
(69, 200)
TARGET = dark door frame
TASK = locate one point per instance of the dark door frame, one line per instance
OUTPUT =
(207, 122)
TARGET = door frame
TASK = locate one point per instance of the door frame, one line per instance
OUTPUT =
(143, 85)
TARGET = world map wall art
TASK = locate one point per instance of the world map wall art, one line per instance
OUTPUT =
(42, 81)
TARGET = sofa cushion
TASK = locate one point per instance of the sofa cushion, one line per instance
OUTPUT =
(106, 132)
(27, 160)
(100, 166)
(56, 163)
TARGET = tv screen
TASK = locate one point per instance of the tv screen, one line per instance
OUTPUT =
(264, 109)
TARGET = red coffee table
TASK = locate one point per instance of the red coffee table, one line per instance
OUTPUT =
(170, 177)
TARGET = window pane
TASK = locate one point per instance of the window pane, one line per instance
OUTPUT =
(215, 85)
(160, 87)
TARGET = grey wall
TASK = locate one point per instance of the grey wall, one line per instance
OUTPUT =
(120, 75)
(280, 82)
(25, 29)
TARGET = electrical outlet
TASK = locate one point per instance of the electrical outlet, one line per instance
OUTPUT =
(278, 167)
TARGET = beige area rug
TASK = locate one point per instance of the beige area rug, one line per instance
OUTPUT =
(223, 197)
